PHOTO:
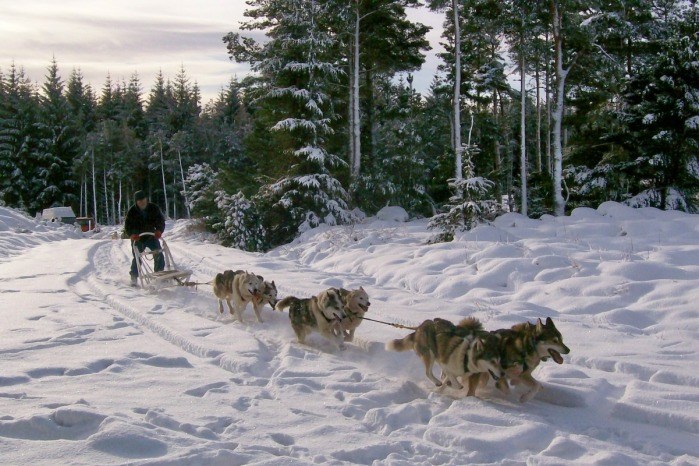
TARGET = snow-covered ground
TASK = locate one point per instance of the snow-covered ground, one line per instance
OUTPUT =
(93, 371)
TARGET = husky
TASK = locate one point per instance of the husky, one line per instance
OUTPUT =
(322, 313)
(267, 295)
(461, 350)
(522, 348)
(240, 287)
(356, 304)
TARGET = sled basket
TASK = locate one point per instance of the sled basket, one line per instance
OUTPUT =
(168, 277)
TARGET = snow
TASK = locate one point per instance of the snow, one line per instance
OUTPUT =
(392, 214)
(97, 372)
(692, 123)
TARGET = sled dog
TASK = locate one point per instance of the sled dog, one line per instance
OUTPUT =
(240, 287)
(356, 304)
(461, 350)
(267, 295)
(322, 313)
(522, 348)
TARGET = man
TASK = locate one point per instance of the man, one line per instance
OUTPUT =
(145, 217)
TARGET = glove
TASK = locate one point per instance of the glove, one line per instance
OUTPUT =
(135, 238)
(158, 234)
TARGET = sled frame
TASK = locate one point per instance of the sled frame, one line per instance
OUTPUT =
(170, 276)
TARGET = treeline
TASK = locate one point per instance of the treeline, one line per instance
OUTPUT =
(65, 143)
(538, 107)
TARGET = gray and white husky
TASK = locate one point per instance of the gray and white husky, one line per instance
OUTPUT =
(237, 288)
(267, 295)
(464, 350)
(322, 313)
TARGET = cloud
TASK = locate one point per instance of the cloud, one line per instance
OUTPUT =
(120, 38)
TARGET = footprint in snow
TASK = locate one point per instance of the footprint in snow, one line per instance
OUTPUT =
(283, 439)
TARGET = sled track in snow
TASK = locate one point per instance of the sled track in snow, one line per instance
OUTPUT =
(224, 360)
(209, 267)
(227, 361)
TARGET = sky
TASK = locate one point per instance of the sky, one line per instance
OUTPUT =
(120, 38)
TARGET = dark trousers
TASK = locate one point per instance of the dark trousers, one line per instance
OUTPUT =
(153, 244)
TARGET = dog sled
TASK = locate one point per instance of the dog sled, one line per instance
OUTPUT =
(168, 277)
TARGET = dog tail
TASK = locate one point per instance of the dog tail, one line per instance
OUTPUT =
(472, 324)
(401, 344)
(286, 302)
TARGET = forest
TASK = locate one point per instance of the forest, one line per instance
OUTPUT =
(538, 107)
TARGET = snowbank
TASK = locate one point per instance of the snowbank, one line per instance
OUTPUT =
(97, 372)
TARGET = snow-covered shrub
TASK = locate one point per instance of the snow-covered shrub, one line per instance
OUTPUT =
(393, 214)
(297, 204)
(652, 198)
(240, 225)
(540, 194)
(202, 186)
(470, 205)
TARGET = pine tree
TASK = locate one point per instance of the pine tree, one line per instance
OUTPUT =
(663, 117)
(186, 105)
(384, 42)
(159, 105)
(132, 110)
(224, 125)
(18, 139)
(240, 225)
(83, 107)
(202, 184)
(471, 202)
(81, 102)
(108, 106)
(299, 65)
(402, 176)
(57, 148)
(433, 126)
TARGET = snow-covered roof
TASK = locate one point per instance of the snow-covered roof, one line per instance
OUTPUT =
(56, 212)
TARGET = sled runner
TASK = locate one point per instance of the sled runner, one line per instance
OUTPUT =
(169, 276)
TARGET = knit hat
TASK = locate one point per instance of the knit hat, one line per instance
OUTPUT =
(140, 195)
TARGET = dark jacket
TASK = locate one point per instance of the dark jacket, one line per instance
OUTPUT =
(148, 220)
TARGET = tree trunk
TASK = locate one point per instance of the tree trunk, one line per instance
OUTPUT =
(174, 195)
(121, 212)
(498, 155)
(510, 166)
(106, 196)
(548, 105)
(80, 205)
(356, 158)
(457, 92)
(94, 186)
(115, 212)
(469, 167)
(561, 74)
(370, 116)
(184, 186)
(523, 135)
(162, 170)
(537, 77)
(350, 117)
